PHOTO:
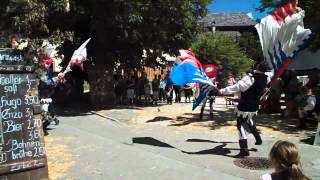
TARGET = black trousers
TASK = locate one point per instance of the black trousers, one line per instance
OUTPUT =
(211, 101)
(247, 124)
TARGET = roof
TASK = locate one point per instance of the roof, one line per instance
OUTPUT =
(228, 19)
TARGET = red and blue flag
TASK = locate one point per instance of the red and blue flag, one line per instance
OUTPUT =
(188, 70)
(282, 36)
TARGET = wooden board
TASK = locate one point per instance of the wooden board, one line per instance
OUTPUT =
(21, 135)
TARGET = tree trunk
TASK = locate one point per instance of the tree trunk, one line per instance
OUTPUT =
(101, 86)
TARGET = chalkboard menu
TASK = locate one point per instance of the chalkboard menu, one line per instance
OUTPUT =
(21, 134)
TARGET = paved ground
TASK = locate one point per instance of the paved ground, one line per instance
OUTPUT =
(165, 142)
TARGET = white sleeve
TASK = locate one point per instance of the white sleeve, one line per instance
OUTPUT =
(311, 103)
(266, 177)
(241, 86)
(270, 75)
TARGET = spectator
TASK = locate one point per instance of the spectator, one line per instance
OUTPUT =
(170, 94)
(14, 42)
(306, 103)
(117, 89)
(231, 81)
(130, 89)
(148, 92)
(187, 93)
(162, 94)
(136, 86)
(178, 93)
(155, 89)
(291, 91)
(141, 87)
(314, 78)
(285, 160)
(123, 85)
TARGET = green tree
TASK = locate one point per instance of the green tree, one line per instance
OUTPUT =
(221, 49)
(311, 8)
(121, 30)
(250, 43)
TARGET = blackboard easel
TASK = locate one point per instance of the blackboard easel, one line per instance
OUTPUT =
(22, 149)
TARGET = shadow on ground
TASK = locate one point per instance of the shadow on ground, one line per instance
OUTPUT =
(222, 118)
(219, 150)
(76, 110)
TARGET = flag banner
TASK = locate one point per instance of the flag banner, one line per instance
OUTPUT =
(282, 35)
(189, 70)
(204, 90)
(185, 73)
(78, 57)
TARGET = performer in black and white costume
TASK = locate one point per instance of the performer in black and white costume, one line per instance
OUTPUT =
(251, 87)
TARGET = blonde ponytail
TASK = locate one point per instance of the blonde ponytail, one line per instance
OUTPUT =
(295, 173)
(287, 156)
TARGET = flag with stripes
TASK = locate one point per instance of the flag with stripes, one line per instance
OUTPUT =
(282, 35)
(188, 70)
(204, 90)
(78, 57)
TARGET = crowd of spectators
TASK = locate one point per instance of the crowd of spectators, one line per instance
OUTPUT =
(299, 94)
(139, 90)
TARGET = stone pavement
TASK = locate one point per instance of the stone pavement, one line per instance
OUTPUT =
(165, 142)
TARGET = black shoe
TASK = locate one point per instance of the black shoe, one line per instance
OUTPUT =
(258, 142)
(244, 151)
(257, 138)
(45, 133)
(56, 121)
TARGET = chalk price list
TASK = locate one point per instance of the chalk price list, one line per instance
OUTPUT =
(20, 132)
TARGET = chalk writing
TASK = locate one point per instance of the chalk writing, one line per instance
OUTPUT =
(3, 156)
(16, 144)
(34, 134)
(11, 126)
(11, 80)
(1, 133)
(8, 114)
(9, 57)
(14, 103)
(22, 146)
(31, 100)
(29, 83)
(26, 165)
(32, 124)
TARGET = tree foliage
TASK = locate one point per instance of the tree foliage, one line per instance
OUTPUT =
(250, 43)
(311, 8)
(223, 50)
(121, 30)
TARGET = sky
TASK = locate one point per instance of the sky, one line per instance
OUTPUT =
(247, 6)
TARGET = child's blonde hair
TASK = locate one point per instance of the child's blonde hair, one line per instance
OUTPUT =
(287, 156)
